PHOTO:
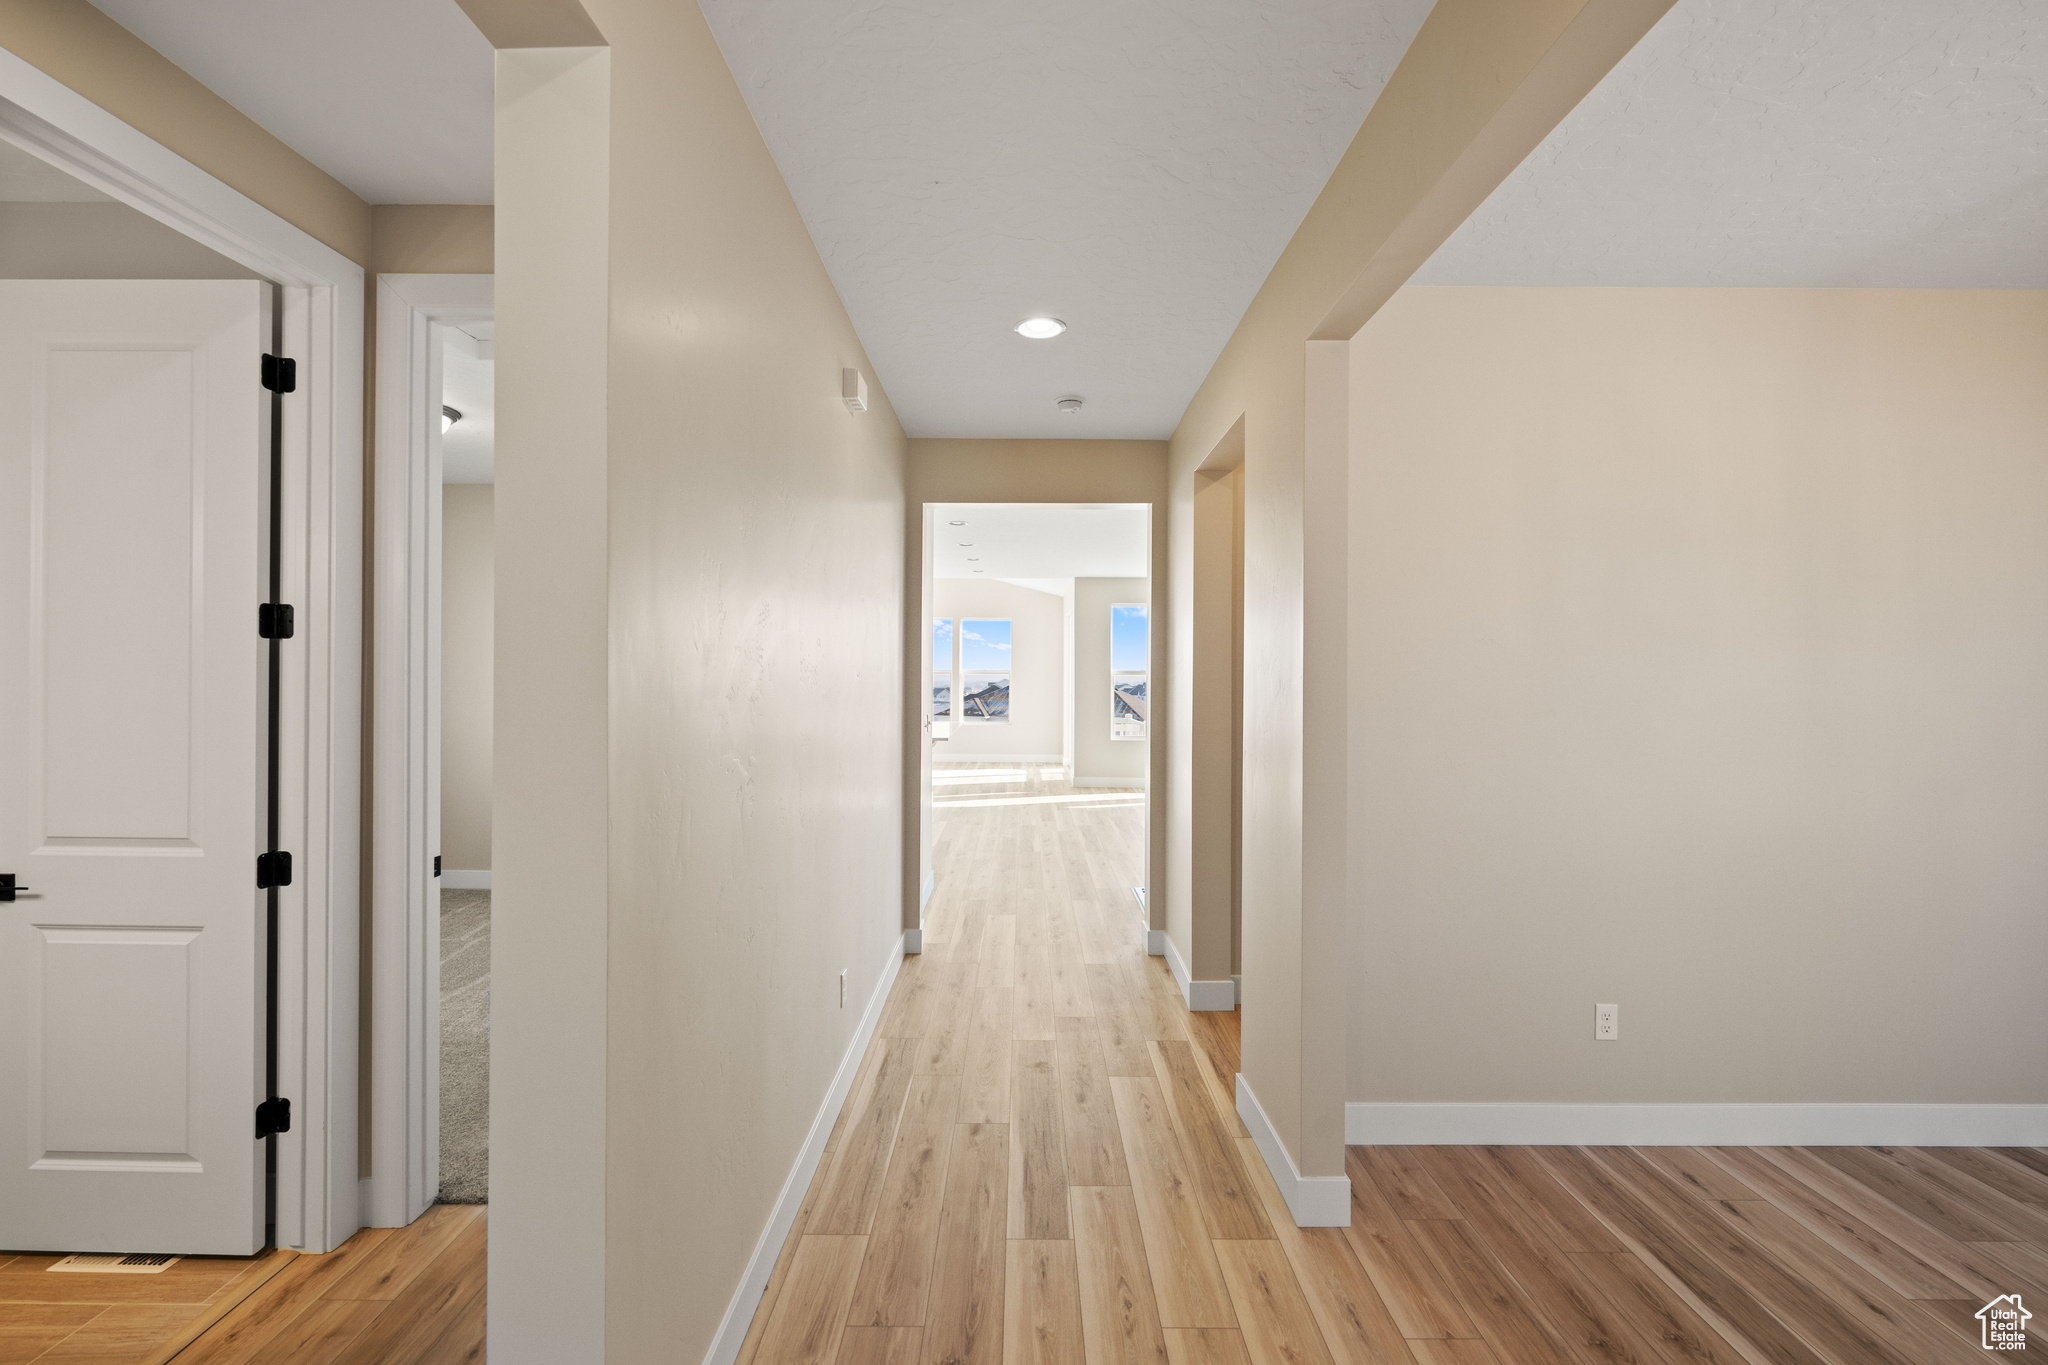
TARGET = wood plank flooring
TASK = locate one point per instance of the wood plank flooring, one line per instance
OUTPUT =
(1041, 1163)
(388, 1296)
(119, 1318)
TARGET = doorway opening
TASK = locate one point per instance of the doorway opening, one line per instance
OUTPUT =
(1036, 1042)
(138, 726)
(1212, 977)
(178, 506)
(468, 477)
(430, 950)
(1038, 703)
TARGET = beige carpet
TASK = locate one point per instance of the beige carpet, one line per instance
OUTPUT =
(465, 1047)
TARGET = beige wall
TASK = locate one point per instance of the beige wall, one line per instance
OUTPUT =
(1038, 671)
(432, 239)
(730, 616)
(1100, 761)
(550, 781)
(1237, 721)
(1480, 86)
(466, 570)
(1067, 677)
(532, 23)
(1028, 471)
(1699, 639)
(102, 241)
(1208, 711)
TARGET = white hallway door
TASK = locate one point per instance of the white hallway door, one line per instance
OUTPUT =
(133, 713)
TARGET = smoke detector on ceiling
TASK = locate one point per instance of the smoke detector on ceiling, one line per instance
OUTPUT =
(1070, 405)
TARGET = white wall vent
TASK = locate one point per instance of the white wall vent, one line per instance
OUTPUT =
(116, 1264)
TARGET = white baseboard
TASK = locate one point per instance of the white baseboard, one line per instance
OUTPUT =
(957, 756)
(1316, 1201)
(1688, 1125)
(1176, 964)
(457, 879)
(1199, 995)
(1155, 939)
(913, 941)
(739, 1314)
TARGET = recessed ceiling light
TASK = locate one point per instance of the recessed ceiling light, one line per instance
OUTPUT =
(974, 559)
(956, 523)
(449, 417)
(1040, 329)
(1070, 405)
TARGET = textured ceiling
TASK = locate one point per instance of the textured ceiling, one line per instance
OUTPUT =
(1041, 541)
(1132, 166)
(390, 97)
(1896, 143)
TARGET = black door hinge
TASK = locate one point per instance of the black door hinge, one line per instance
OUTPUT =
(280, 375)
(273, 1116)
(437, 864)
(273, 869)
(275, 620)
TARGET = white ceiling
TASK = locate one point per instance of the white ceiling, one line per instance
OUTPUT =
(1875, 143)
(1132, 166)
(390, 97)
(28, 179)
(468, 377)
(1041, 541)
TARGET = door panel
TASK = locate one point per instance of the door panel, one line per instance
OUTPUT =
(116, 1082)
(132, 716)
(116, 524)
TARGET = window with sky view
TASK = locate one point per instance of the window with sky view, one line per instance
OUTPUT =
(984, 670)
(1129, 661)
(942, 677)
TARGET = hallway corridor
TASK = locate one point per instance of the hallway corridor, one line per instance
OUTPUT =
(1038, 1152)
(1040, 1162)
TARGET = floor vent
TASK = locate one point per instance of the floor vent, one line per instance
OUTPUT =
(116, 1264)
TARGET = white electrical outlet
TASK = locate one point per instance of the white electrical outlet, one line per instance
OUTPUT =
(1607, 1023)
(842, 988)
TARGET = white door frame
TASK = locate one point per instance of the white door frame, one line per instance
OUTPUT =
(318, 1200)
(405, 918)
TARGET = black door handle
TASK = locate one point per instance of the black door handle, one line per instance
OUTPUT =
(7, 886)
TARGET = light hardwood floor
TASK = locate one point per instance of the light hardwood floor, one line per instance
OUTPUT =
(118, 1318)
(389, 1296)
(1040, 1163)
